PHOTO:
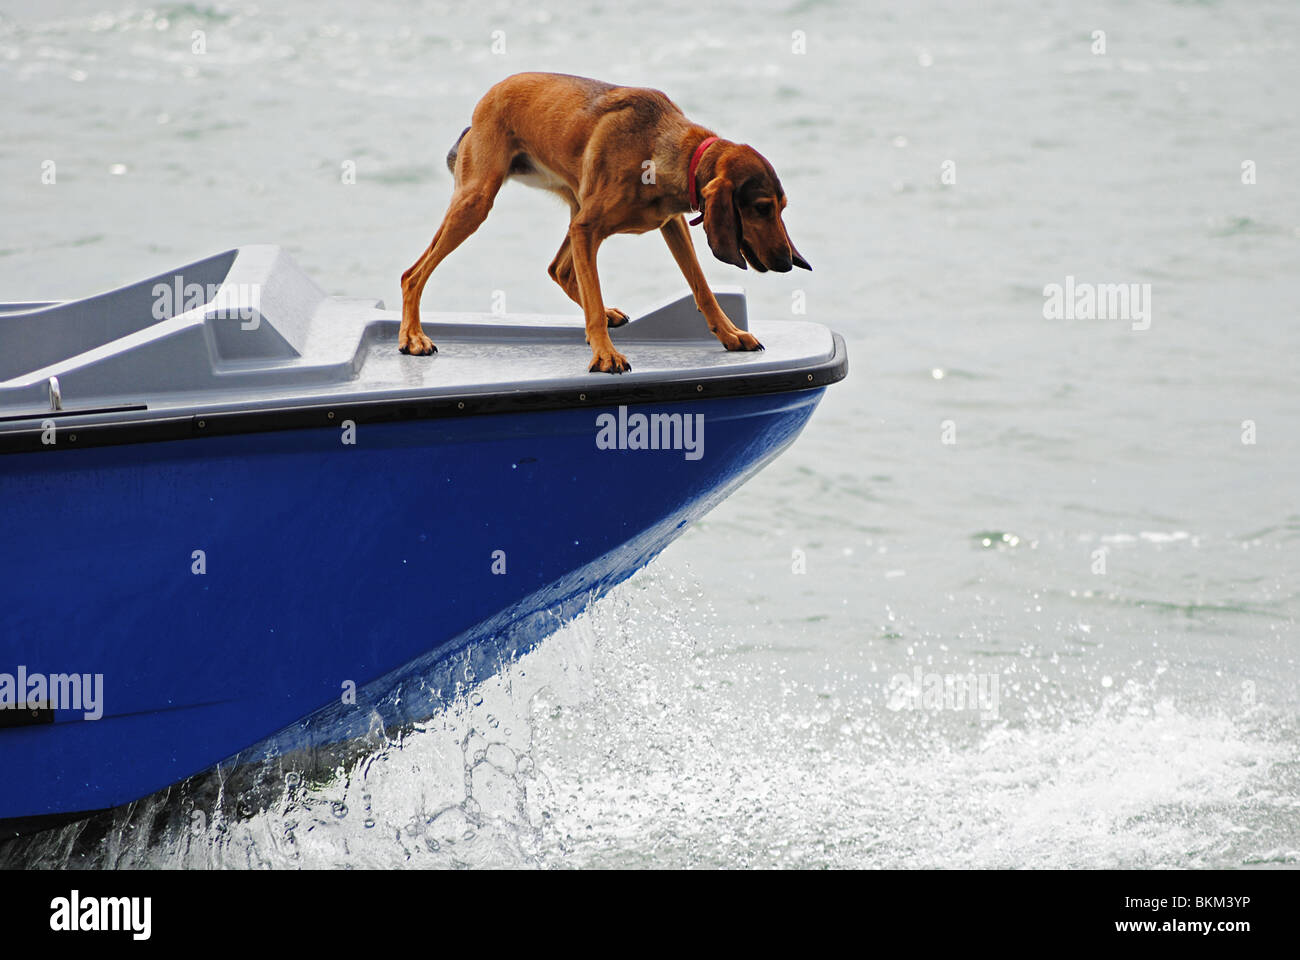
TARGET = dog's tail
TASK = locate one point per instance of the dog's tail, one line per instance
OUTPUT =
(451, 154)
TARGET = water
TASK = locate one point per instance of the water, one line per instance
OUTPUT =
(720, 708)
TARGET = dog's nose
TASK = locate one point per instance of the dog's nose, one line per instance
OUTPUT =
(782, 264)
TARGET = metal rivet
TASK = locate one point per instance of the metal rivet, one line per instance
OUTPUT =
(72, 436)
(460, 405)
(810, 377)
(202, 424)
(699, 388)
(330, 414)
(582, 396)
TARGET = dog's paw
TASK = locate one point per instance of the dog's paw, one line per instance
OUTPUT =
(614, 317)
(608, 361)
(416, 344)
(740, 340)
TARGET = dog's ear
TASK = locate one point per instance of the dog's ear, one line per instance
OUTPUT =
(721, 225)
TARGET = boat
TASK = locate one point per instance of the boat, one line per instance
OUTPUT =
(231, 513)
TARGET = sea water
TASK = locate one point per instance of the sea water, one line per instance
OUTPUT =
(1025, 591)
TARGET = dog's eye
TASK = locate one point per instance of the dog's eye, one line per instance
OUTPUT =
(763, 208)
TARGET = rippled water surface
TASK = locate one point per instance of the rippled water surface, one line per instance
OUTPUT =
(1098, 540)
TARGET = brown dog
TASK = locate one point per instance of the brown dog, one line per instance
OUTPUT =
(626, 160)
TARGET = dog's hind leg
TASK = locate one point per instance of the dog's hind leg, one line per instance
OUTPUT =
(561, 271)
(481, 169)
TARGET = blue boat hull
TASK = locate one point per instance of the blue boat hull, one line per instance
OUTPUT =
(325, 568)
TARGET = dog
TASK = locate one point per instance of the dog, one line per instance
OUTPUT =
(625, 160)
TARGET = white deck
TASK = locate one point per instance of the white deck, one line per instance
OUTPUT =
(271, 338)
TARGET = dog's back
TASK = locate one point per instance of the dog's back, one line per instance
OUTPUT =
(558, 101)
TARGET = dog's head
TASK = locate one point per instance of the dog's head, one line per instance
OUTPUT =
(743, 201)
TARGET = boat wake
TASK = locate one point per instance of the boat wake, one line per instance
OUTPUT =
(635, 737)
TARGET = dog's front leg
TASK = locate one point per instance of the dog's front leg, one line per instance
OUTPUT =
(584, 241)
(678, 237)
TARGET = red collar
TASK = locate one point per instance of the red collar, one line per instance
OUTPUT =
(690, 172)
